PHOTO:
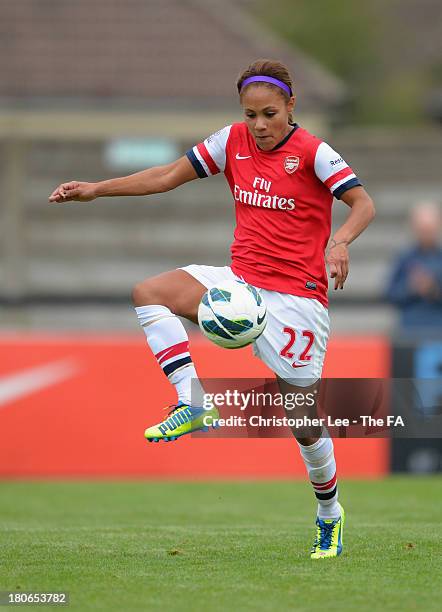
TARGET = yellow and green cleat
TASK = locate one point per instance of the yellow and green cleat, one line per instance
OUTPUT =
(182, 419)
(329, 537)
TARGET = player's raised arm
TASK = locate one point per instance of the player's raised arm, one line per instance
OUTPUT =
(154, 180)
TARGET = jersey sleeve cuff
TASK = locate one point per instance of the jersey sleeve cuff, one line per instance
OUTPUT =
(354, 182)
(196, 164)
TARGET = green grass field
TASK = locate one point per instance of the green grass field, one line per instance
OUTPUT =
(219, 546)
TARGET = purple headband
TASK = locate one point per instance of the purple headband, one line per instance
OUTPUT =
(267, 79)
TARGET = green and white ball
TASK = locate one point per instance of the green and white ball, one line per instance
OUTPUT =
(232, 314)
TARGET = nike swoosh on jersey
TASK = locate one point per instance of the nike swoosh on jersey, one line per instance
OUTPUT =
(238, 156)
(299, 365)
(20, 384)
(259, 320)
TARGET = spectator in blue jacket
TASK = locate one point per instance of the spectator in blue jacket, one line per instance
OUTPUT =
(416, 282)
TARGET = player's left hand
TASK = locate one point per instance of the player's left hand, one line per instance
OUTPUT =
(337, 259)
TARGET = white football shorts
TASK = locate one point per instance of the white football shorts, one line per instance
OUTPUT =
(294, 341)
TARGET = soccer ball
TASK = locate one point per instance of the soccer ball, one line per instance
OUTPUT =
(232, 314)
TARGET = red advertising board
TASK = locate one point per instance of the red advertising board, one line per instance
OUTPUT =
(77, 406)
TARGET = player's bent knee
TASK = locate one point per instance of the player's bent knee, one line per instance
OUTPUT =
(176, 290)
(145, 294)
(185, 307)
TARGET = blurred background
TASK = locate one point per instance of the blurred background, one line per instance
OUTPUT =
(91, 90)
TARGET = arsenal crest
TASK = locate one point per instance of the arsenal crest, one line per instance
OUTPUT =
(291, 164)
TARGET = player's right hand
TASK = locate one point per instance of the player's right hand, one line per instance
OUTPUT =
(73, 192)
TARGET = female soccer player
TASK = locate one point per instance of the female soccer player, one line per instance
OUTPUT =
(283, 181)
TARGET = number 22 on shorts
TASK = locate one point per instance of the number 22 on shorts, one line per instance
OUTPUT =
(304, 356)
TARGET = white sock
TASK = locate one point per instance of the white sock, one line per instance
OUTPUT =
(169, 343)
(320, 462)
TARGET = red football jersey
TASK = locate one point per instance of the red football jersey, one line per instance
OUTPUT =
(283, 199)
